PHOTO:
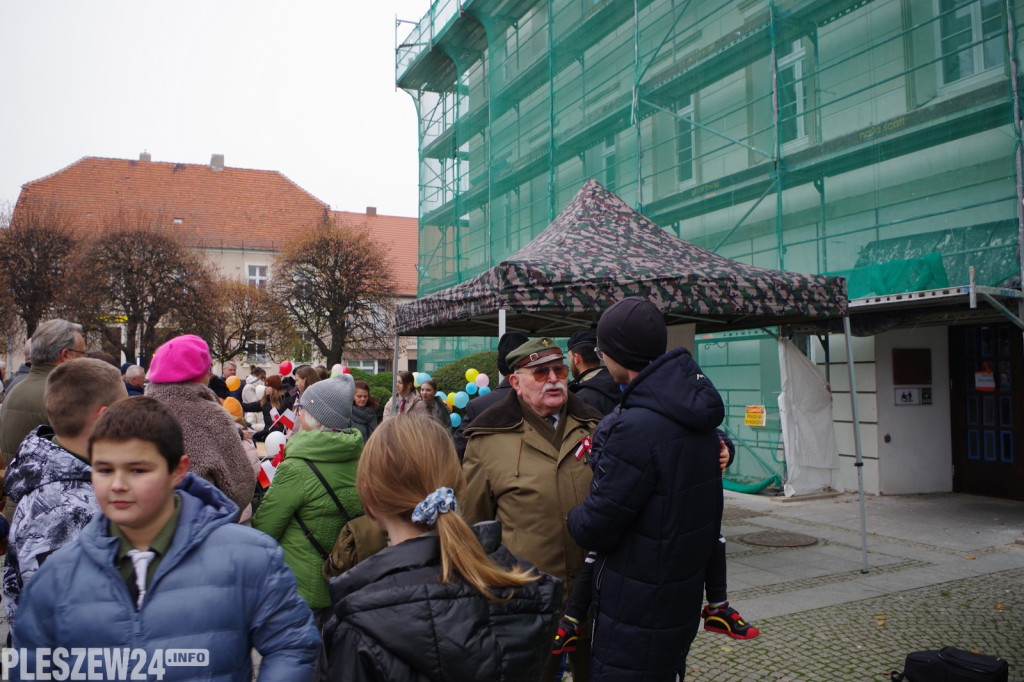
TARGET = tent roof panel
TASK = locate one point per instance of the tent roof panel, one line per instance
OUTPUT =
(599, 251)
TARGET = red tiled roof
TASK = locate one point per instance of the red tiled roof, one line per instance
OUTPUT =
(232, 208)
(398, 235)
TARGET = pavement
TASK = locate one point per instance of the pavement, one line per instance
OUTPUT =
(942, 570)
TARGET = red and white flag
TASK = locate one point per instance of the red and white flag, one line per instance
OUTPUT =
(266, 475)
(287, 420)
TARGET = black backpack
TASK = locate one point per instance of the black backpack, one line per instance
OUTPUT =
(952, 665)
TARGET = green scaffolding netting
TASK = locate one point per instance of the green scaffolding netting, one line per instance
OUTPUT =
(869, 138)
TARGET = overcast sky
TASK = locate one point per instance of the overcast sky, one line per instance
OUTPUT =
(304, 87)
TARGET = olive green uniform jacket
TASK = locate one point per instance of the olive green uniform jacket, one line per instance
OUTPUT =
(296, 489)
(515, 475)
(23, 410)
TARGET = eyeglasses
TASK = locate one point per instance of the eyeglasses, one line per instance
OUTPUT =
(541, 373)
(599, 353)
(74, 350)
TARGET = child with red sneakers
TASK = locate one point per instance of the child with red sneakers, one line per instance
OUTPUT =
(718, 615)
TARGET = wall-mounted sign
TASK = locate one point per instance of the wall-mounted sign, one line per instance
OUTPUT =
(911, 366)
(985, 379)
(755, 415)
(914, 396)
(908, 396)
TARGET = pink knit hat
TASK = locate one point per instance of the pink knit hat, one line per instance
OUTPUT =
(183, 358)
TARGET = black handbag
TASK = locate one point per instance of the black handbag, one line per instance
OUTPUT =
(949, 664)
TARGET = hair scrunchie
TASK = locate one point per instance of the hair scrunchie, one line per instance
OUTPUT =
(440, 501)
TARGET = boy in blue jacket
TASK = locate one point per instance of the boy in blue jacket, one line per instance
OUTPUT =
(162, 569)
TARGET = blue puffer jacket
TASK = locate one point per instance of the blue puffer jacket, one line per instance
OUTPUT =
(221, 587)
(653, 514)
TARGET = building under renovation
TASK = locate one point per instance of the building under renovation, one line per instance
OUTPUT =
(875, 139)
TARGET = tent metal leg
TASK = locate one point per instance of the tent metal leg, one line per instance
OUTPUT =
(501, 322)
(856, 444)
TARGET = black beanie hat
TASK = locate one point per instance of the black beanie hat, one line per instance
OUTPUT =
(508, 342)
(633, 333)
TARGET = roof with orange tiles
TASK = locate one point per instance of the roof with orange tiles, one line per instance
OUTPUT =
(229, 208)
(233, 208)
(398, 236)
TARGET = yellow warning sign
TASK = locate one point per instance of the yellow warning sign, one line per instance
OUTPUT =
(755, 415)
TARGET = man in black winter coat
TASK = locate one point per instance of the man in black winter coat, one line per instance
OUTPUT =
(591, 382)
(654, 509)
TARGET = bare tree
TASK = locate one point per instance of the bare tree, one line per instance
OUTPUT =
(36, 252)
(335, 284)
(10, 323)
(137, 275)
(250, 320)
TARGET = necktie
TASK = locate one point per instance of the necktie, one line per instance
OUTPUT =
(401, 410)
(551, 419)
(140, 560)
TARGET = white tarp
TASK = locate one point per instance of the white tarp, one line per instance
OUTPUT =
(808, 436)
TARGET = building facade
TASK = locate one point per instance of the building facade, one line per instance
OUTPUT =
(876, 139)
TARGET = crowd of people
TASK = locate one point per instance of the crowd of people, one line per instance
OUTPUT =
(563, 521)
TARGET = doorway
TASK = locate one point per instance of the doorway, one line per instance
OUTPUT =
(987, 421)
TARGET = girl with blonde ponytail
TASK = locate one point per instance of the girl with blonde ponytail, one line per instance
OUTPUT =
(443, 601)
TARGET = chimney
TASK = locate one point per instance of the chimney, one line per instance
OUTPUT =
(371, 210)
(145, 156)
(217, 162)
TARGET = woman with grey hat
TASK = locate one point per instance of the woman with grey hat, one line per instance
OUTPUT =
(298, 510)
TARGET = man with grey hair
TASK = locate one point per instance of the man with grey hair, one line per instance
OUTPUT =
(135, 380)
(53, 343)
(229, 369)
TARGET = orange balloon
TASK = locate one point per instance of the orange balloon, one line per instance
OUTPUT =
(233, 383)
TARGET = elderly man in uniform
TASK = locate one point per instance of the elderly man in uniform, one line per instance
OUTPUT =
(527, 464)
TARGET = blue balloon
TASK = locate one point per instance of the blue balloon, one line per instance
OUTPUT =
(443, 396)
(461, 399)
(471, 388)
(456, 420)
(424, 377)
(484, 390)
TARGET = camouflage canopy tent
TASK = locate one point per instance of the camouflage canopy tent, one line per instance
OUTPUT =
(598, 251)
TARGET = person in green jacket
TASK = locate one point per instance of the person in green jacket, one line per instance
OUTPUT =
(326, 443)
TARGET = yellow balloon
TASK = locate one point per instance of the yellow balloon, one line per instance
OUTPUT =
(450, 400)
(471, 374)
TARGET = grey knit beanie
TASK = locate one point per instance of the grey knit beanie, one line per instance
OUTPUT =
(330, 401)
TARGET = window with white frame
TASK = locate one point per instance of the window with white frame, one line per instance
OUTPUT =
(365, 365)
(970, 33)
(685, 142)
(258, 276)
(256, 351)
(792, 65)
